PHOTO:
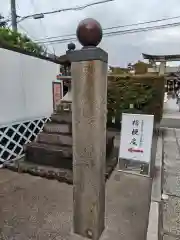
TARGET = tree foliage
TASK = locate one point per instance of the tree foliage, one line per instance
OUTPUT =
(118, 70)
(3, 23)
(146, 93)
(124, 91)
(141, 67)
(18, 40)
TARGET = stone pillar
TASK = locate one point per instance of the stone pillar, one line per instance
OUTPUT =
(89, 109)
(162, 68)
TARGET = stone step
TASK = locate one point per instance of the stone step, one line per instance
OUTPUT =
(50, 155)
(48, 152)
(57, 128)
(55, 139)
(65, 117)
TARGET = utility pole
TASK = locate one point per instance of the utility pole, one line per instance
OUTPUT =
(13, 15)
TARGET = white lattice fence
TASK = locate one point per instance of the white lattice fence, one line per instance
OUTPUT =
(13, 138)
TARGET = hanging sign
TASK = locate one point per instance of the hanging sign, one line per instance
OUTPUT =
(57, 94)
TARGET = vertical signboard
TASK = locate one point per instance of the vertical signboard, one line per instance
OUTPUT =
(136, 137)
(57, 94)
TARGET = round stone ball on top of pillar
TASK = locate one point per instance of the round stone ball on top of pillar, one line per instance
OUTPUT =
(89, 32)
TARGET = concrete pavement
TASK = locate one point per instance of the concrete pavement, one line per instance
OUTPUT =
(37, 208)
(33, 208)
(171, 116)
(171, 185)
(170, 106)
(169, 227)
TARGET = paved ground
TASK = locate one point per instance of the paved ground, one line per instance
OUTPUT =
(171, 184)
(33, 208)
(170, 106)
(171, 116)
(171, 172)
(36, 208)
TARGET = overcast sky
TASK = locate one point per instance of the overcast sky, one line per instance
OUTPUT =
(122, 49)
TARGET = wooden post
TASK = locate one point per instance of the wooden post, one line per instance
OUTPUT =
(89, 110)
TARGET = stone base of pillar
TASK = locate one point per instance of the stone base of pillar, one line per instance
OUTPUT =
(64, 106)
(66, 102)
(74, 236)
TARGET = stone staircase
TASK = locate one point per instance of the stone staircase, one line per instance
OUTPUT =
(53, 146)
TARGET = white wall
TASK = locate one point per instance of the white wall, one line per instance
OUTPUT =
(172, 69)
(25, 86)
(167, 70)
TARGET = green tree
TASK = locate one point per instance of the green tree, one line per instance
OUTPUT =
(18, 40)
(118, 70)
(141, 67)
(3, 23)
(126, 90)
